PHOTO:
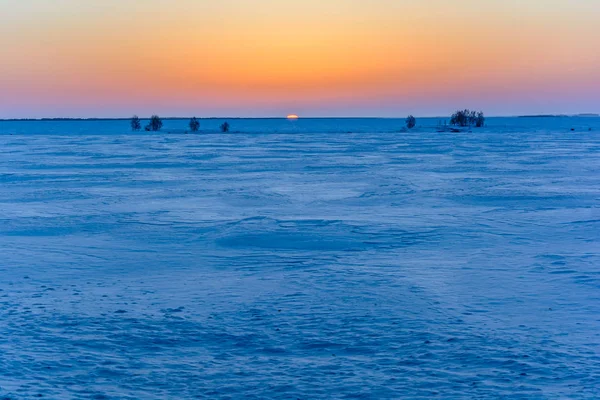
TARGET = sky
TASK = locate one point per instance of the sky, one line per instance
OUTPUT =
(256, 58)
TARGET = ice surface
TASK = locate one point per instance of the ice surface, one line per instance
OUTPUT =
(298, 260)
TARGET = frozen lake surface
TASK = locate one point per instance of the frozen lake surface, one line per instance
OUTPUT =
(308, 259)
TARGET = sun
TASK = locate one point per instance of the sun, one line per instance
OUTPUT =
(292, 117)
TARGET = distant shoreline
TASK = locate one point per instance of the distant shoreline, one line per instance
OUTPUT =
(585, 115)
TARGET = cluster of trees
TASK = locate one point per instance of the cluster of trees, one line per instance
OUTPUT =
(461, 118)
(467, 118)
(156, 124)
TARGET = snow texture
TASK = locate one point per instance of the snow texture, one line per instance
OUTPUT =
(300, 259)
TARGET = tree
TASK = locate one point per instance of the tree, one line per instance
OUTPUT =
(136, 125)
(155, 124)
(194, 125)
(225, 127)
(411, 122)
(480, 121)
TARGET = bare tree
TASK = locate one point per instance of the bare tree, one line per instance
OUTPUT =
(136, 125)
(225, 127)
(194, 124)
(480, 120)
(155, 124)
(411, 122)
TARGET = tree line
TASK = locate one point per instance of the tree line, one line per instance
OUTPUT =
(155, 124)
(462, 118)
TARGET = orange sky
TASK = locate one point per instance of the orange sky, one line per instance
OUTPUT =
(270, 58)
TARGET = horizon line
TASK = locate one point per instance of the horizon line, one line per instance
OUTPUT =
(285, 118)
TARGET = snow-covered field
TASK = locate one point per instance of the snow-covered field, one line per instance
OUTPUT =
(308, 259)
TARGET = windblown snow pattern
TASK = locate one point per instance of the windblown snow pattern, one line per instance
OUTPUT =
(300, 259)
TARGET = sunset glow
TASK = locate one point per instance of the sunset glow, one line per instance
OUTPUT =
(335, 57)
